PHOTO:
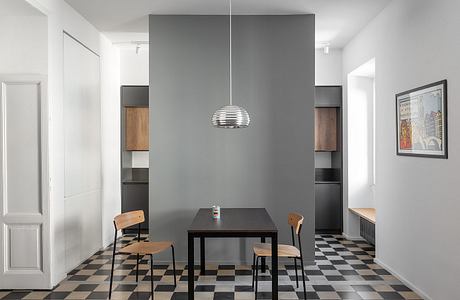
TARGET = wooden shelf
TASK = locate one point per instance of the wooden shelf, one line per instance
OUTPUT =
(365, 213)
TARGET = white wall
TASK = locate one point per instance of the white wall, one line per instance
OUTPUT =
(328, 67)
(61, 17)
(18, 36)
(415, 42)
(134, 68)
(110, 108)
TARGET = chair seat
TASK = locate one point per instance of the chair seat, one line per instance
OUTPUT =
(146, 247)
(283, 250)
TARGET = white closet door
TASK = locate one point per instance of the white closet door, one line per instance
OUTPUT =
(82, 150)
(24, 205)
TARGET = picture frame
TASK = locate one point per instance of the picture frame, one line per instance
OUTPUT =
(421, 121)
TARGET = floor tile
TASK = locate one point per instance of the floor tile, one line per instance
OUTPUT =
(349, 295)
(16, 295)
(98, 295)
(391, 295)
(328, 295)
(410, 295)
(78, 295)
(370, 295)
(57, 295)
(36, 295)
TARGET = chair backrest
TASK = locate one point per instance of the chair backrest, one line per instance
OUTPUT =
(296, 221)
(128, 219)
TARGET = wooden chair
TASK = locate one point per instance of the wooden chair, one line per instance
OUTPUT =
(264, 250)
(126, 220)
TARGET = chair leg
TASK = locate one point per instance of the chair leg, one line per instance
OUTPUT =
(257, 274)
(303, 278)
(137, 268)
(296, 275)
(111, 275)
(151, 274)
(253, 269)
(174, 265)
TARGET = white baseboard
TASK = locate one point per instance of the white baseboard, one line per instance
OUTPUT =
(352, 238)
(403, 280)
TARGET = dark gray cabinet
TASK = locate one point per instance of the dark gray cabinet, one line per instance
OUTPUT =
(135, 95)
(136, 197)
(367, 230)
(328, 96)
(328, 208)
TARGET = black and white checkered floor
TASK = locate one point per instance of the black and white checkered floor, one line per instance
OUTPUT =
(344, 270)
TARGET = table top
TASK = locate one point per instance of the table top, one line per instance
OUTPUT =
(233, 220)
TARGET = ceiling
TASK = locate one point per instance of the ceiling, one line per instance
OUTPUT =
(17, 8)
(337, 21)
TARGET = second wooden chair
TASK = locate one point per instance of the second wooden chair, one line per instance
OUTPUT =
(139, 247)
(291, 251)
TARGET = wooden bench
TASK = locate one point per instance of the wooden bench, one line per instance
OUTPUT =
(366, 213)
(367, 223)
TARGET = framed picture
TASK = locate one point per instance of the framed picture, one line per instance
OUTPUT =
(421, 128)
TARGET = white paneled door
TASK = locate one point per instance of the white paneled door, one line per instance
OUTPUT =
(24, 208)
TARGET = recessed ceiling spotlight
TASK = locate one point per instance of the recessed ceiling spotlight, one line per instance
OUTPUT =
(323, 45)
(139, 45)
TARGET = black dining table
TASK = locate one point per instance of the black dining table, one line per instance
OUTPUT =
(233, 223)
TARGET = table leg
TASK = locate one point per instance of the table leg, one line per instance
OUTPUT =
(202, 257)
(275, 266)
(190, 267)
(262, 261)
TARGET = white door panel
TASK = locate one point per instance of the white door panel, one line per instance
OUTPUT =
(82, 149)
(83, 228)
(24, 218)
(22, 149)
(82, 119)
(28, 237)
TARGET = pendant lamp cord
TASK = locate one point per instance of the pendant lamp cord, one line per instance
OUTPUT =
(230, 59)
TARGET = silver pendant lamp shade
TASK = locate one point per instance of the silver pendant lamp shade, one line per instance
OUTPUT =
(231, 116)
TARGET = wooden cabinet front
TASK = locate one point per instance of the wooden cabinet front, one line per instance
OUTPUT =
(326, 129)
(137, 128)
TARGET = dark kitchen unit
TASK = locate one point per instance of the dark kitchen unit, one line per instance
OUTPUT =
(328, 160)
(134, 151)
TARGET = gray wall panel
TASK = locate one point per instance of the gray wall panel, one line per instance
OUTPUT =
(193, 165)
